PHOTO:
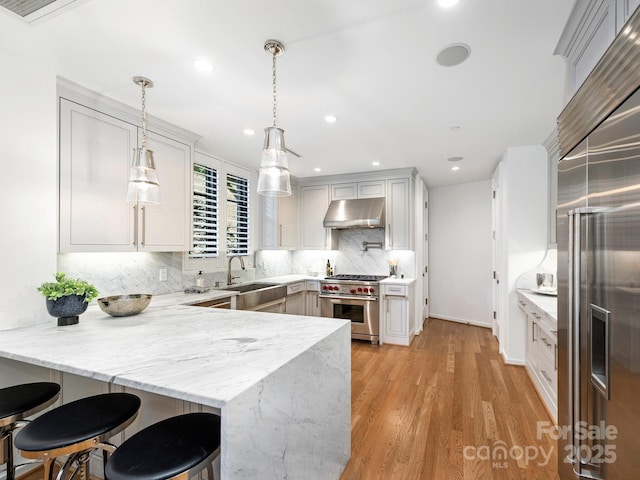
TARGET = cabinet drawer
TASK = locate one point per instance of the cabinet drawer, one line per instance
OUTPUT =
(395, 290)
(548, 376)
(547, 347)
(295, 288)
(312, 286)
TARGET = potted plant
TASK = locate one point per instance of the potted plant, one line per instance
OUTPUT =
(67, 298)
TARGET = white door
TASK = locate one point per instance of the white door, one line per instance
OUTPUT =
(495, 225)
(425, 256)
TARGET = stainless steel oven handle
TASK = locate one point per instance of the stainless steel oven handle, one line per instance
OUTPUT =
(346, 297)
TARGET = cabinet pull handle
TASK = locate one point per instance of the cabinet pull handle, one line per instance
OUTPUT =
(280, 235)
(533, 331)
(555, 358)
(135, 225)
(390, 236)
(144, 226)
(546, 377)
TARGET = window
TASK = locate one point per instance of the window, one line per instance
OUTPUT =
(237, 215)
(205, 212)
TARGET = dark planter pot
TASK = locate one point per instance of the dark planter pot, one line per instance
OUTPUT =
(67, 309)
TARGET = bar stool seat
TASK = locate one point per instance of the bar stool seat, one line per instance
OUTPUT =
(76, 429)
(16, 403)
(177, 447)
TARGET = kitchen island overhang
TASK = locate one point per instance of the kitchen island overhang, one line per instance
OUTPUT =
(282, 383)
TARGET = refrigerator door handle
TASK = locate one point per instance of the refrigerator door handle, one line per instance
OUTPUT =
(572, 292)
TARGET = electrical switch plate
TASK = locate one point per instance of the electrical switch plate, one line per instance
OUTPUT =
(163, 274)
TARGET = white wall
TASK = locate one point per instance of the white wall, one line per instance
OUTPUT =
(460, 253)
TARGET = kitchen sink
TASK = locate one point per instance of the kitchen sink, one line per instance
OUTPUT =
(259, 296)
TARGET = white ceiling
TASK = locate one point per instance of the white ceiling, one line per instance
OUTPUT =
(370, 62)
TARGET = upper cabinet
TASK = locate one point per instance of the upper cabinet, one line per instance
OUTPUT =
(346, 191)
(279, 221)
(398, 214)
(592, 26)
(95, 154)
(314, 201)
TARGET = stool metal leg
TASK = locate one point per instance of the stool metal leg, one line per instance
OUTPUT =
(6, 452)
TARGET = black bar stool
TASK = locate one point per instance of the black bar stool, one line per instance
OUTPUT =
(16, 403)
(175, 448)
(75, 430)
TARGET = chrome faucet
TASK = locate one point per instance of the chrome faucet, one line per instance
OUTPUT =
(229, 276)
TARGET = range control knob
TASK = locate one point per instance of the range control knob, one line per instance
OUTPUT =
(353, 290)
(371, 290)
(336, 288)
(324, 287)
(365, 289)
(359, 289)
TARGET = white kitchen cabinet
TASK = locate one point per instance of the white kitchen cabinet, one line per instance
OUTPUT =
(589, 31)
(95, 156)
(314, 201)
(541, 360)
(352, 190)
(295, 303)
(313, 298)
(279, 227)
(398, 214)
(397, 314)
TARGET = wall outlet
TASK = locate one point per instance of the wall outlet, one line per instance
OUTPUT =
(163, 275)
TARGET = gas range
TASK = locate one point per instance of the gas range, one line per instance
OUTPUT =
(346, 284)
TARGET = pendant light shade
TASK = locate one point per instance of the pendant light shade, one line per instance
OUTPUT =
(274, 178)
(143, 177)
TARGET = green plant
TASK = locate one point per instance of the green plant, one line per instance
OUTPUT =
(64, 286)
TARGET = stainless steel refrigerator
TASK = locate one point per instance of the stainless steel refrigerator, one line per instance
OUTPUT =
(598, 236)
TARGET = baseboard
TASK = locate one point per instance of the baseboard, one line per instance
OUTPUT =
(460, 320)
(512, 361)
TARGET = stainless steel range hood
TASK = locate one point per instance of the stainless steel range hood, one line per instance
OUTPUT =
(356, 213)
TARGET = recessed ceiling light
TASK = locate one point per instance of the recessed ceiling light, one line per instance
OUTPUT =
(455, 169)
(375, 164)
(317, 169)
(249, 132)
(447, 3)
(453, 54)
(455, 159)
(330, 118)
(203, 65)
(455, 128)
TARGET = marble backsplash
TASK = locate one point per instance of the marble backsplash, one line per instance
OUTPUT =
(120, 273)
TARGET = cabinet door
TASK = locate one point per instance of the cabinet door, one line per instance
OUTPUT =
(313, 304)
(314, 201)
(373, 189)
(95, 155)
(398, 214)
(166, 227)
(396, 328)
(269, 223)
(288, 221)
(344, 191)
(295, 304)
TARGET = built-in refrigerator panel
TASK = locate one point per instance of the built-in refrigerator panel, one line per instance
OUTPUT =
(599, 300)
(572, 194)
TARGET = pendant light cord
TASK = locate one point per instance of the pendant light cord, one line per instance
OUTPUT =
(273, 69)
(144, 117)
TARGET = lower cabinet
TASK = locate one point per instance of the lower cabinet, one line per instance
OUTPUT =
(541, 355)
(313, 298)
(295, 303)
(397, 319)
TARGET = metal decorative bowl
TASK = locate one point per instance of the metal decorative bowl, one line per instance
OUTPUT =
(124, 305)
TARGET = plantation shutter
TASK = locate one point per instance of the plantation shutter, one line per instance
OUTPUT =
(205, 212)
(237, 215)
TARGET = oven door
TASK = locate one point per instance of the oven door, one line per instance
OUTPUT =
(363, 313)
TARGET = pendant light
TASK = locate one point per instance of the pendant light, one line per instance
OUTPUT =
(274, 179)
(143, 178)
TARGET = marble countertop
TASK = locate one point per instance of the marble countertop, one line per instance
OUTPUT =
(547, 303)
(202, 355)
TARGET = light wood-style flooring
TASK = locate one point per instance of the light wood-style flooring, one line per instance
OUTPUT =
(447, 407)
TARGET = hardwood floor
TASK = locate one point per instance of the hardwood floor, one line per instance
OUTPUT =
(446, 407)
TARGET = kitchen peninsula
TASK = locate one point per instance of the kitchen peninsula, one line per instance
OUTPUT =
(281, 383)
